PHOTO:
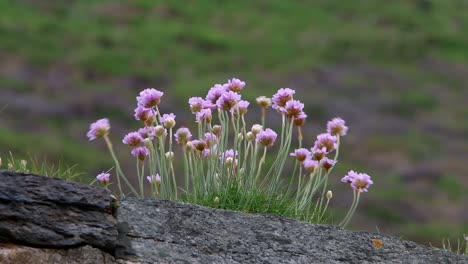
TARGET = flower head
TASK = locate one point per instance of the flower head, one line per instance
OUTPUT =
(133, 139)
(229, 157)
(234, 85)
(300, 154)
(292, 108)
(327, 141)
(199, 144)
(204, 115)
(281, 97)
(214, 93)
(358, 181)
(154, 179)
(140, 153)
(143, 114)
(266, 137)
(228, 100)
(256, 129)
(310, 165)
(210, 139)
(299, 120)
(196, 104)
(217, 129)
(318, 154)
(160, 131)
(149, 98)
(98, 129)
(182, 135)
(327, 163)
(263, 101)
(241, 107)
(147, 132)
(168, 120)
(337, 127)
(103, 178)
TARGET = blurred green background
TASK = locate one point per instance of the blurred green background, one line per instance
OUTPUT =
(396, 71)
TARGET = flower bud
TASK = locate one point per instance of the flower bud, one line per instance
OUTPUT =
(189, 146)
(169, 155)
(250, 136)
(240, 136)
(329, 195)
(216, 130)
(263, 101)
(160, 131)
(256, 129)
(148, 143)
(216, 200)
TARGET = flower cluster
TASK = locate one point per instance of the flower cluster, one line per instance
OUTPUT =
(222, 156)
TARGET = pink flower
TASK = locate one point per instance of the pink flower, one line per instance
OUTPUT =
(103, 178)
(327, 141)
(154, 179)
(168, 120)
(140, 153)
(292, 108)
(266, 137)
(214, 93)
(300, 154)
(210, 139)
(143, 114)
(182, 135)
(204, 114)
(327, 163)
(133, 139)
(234, 85)
(300, 119)
(337, 127)
(98, 129)
(358, 181)
(318, 154)
(310, 165)
(147, 132)
(229, 157)
(241, 107)
(149, 98)
(281, 97)
(196, 104)
(228, 100)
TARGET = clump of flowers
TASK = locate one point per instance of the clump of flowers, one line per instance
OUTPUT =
(225, 162)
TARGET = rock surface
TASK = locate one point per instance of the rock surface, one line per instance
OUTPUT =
(46, 220)
(158, 231)
(47, 212)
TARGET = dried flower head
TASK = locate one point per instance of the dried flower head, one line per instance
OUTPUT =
(263, 101)
(217, 130)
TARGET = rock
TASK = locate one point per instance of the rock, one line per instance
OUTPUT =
(159, 231)
(12, 254)
(47, 212)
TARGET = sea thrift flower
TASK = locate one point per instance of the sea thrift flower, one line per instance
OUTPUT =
(168, 120)
(182, 135)
(310, 165)
(206, 153)
(337, 127)
(263, 101)
(133, 139)
(292, 108)
(210, 139)
(300, 154)
(196, 104)
(154, 179)
(214, 93)
(241, 107)
(204, 115)
(103, 178)
(348, 178)
(281, 97)
(234, 85)
(160, 131)
(326, 140)
(228, 100)
(149, 98)
(361, 182)
(327, 163)
(143, 114)
(299, 120)
(318, 154)
(228, 154)
(147, 132)
(198, 144)
(98, 129)
(140, 153)
(266, 138)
